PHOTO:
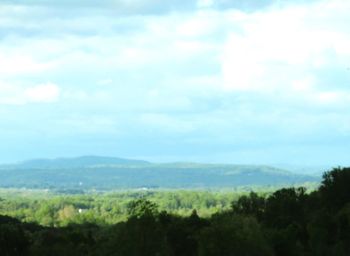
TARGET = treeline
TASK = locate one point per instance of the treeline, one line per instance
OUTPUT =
(287, 222)
(57, 210)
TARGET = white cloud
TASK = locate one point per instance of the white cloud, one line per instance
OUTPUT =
(18, 95)
(303, 85)
(45, 93)
(278, 47)
(203, 23)
(15, 64)
(106, 81)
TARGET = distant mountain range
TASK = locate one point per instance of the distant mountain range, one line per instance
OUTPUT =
(107, 173)
(77, 162)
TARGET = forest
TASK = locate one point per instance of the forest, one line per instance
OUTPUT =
(288, 221)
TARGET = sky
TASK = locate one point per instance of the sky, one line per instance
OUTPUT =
(254, 81)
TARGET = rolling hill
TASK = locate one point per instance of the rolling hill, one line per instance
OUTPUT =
(107, 173)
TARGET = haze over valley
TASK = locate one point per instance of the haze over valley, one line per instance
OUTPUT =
(109, 173)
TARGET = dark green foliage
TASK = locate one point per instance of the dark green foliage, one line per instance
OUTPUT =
(284, 207)
(13, 240)
(138, 236)
(141, 207)
(253, 205)
(230, 235)
(335, 188)
(289, 222)
(182, 235)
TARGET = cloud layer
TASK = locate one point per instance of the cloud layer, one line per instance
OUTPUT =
(227, 81)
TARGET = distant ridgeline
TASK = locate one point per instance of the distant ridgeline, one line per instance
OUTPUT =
(109, 173)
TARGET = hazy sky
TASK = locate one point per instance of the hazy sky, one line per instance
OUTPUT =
(210, 80)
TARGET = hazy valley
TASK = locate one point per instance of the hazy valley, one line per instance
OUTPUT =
(108, 173)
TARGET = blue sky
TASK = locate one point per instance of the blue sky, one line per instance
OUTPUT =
(208, 80)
